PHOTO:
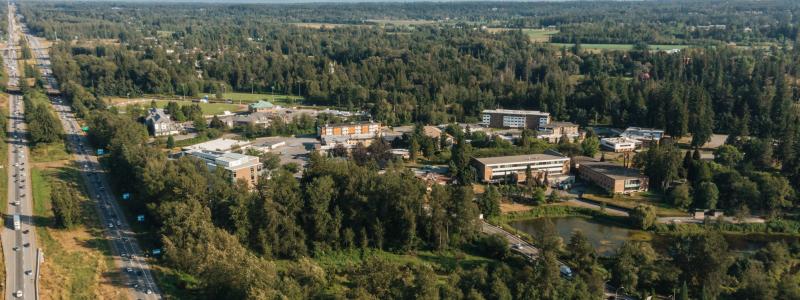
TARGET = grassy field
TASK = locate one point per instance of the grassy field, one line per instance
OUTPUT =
(79, 264)
(208, 108)
(49, 152)
(534, 34)
(278, 99)
(619, 47)
(663, 209)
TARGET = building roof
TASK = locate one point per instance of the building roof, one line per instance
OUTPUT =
(230, 161)
(262, 104)
(640, 133)
(560, 124)
(515, 112)
(157, 115)
(351, 124)
(619, 140)
(518, 158)
(218, 145)
(612, 170)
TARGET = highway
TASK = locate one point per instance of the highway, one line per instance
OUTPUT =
(128, 256)
(19, 240)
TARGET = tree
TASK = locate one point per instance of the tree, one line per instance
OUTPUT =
(706, 195)
(65, 201)
(590, 146)
(643, 216)
(728, 155)
(703, 259)
(271, 160)
(680, 196)
(170, 142)
(661, 163)
(216, 123)
(489, 202)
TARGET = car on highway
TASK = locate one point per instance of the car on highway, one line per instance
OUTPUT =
(18, 294)
(110, 225)
(129, 270)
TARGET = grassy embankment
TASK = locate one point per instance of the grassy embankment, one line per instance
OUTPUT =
(78, 263)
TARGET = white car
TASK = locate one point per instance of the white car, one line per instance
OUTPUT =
(18, 294)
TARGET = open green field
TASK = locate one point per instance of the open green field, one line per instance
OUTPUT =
(620, 47)
(278, 99)
(208, 108)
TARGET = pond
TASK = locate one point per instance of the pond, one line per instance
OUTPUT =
(607, 238)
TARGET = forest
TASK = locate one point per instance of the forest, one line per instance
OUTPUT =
(740, 80)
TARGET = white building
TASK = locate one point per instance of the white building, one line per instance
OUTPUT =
(619, 144)
(645, 135)
(221, 145)
(507, 118)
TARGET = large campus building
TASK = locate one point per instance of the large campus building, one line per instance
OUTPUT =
(614, 178)
(546, 168)
(507, 118)
(349, 129)
(237, 166)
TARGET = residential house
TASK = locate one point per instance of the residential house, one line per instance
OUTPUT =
(160, 124)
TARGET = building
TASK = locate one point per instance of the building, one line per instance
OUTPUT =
(330, 142)
(221, 145)
(614, 178)
(159, 123)
(350, 129)
(554, 131)
(648, 136)
(546, 168)
(507, 118)
(237, 166)
(261, 106)
(619, 144)
(257, 119)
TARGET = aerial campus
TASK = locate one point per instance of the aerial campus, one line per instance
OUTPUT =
(400, 150)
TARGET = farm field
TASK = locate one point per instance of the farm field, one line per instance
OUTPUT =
(534, 34)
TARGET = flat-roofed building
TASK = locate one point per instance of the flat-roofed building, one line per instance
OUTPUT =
(554, 131)
(508, 118)
(348, 129)
(647, 136)
(221, 145)
(237, 166)
(546, 168)
(613, 178)
(619, 144)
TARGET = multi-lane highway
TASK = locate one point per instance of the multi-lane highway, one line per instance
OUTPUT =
(129, 257)
(19, 240)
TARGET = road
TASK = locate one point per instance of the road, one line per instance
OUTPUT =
(128, 256)
(19, 240)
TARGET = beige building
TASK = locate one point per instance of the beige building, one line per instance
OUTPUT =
(554, 131)
(358, 129)
(613, 178)
(237, 166)
(550, 169)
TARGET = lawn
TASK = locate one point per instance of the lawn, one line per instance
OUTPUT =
(78, 264)
(279, 99)
(621, 47)
(49, 152)
(663, 209)
(208, 108)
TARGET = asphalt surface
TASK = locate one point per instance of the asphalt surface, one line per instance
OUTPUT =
(19, 241)
(128, 256)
